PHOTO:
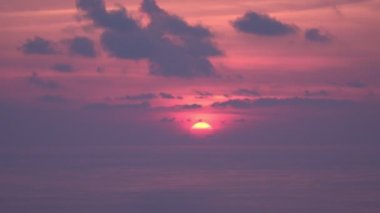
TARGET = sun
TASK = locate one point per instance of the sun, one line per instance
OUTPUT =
(201, 125)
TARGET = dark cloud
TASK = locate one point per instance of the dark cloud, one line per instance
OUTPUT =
(128, 45)
(170, 23)
(150, 96)
(36, 80)
(39, 46)
(316, 93)
(273, 102)
(316, 35)
(169, 96)
(144, 105)
(234, 103)
(105, 106)
(180, 107)
(356, 84)
(203, 94)
(63, 68)
(268, 102)
(261, 24)
(187, 107)
(246, 92)
(53, 99)
(171, 45)
(81, 46)
(115, 20)
(143, 96)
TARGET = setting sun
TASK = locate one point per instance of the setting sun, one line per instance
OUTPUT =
(202, 126)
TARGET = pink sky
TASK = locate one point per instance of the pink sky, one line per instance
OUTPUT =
(97, 100)
(286, 66)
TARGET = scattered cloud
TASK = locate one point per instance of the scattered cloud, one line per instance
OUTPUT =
(188, 106)
(144, 105)
(246, 92)
(185, 107)
(63, 68)
(81, 46)
(150, 96)
(171, 45)
(169, 96)
(273, 102)
(263, 25)
(38, 46)
(105, 106)
(234, 103)
(36, 80)
(316, 93)
(203, 94)
(316, 35)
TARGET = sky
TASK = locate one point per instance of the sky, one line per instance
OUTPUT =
(98, 99)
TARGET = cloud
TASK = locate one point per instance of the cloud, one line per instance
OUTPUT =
(273, 102)
(171, 23)
(180, 107)
(316, 35)
(150, 96)
(129, 45)
(36, 80)
(317, 93)
(63, 68)
(143, 105)
(143, 96)
(171, 45)
(169, 96)
(269, 102)
(115, 20)
(203, 94)
(52, 99)
(81, 46)
(38, 46)
(246, 92)
(105, 106)
(356, 84)
(234, 103)
(187, 107)
(263, 25)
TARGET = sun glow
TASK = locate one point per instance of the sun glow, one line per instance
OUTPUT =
(201, 126)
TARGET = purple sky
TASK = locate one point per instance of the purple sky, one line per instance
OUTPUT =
(97, 101)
